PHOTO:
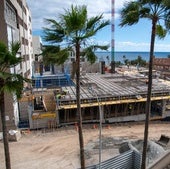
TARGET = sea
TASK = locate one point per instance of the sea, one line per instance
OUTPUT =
(106, 56)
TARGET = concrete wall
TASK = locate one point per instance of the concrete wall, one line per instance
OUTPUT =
(127, 118)
(162, 162)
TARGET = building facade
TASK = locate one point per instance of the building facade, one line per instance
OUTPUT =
(15, 26)
(162, 65)
(37, 48)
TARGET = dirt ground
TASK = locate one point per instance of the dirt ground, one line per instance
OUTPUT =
(59, 149)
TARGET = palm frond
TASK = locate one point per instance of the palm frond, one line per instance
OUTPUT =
(55, 55)
(8, 58)
(89, 52)
(130, 13)
(102, 25)
(3, 49)
(74, 19)
(15, 46)
(160, 32)
(94, 25)
(13, 83)
(167, 21)
(55, 33)
(101, 47)
(166, 3)
(93, 20)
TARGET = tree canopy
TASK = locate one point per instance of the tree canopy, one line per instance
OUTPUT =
(73, 27)
(12, 82)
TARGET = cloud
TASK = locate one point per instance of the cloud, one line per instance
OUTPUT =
(140, 46)
(162, 47)
(132, 46)
(51, 8)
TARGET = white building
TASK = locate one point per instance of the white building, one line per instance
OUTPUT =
(37, 47)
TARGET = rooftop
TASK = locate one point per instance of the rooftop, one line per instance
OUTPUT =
(110, 88)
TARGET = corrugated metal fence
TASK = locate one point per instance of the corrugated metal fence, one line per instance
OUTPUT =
(129, 160)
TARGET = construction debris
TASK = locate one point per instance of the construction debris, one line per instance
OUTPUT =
(164, 141)
(117, 146)
(14, 135)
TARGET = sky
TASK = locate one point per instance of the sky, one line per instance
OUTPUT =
(128, 38)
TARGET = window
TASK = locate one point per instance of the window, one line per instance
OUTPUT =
(47, 68)
(11, 15)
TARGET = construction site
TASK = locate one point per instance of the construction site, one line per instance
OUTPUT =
(108, 96)
(119, 97)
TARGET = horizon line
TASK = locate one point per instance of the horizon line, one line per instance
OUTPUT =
(136, 51)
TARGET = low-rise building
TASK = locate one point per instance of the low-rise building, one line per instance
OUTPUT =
(162, 65)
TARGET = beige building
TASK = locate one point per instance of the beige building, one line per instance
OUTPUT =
(15, 24)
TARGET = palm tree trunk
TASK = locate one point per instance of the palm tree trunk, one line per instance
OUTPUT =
(81, 141)
(4, 130)
(148, 103)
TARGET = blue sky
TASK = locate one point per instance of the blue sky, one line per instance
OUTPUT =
(129, 38)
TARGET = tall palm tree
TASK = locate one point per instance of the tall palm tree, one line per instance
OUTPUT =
(10, 83)
(158, 12)
(74, 29)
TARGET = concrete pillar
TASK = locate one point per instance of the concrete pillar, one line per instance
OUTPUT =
(65, 115)
(116, 110)
(102, 114)
(83, 113)
(57, 117)
(102, 67)
(163, 108)
(30, 110)
(138, 108)
(41, 83)
(113, 67)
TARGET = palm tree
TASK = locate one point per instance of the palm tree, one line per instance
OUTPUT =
(54, 55)
(11, 83)
(74, 29)
(124, 58)
(158, 12)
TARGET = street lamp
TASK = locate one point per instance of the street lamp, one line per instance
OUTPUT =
(100, 125)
